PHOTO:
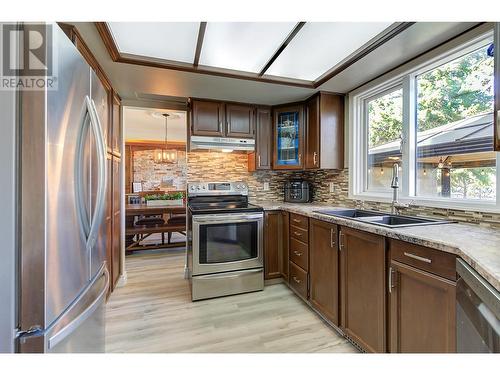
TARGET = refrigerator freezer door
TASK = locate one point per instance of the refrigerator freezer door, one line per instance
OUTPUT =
(80, 329)
(67, 259)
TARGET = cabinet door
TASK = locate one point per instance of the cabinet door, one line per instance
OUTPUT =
(497, 87)
(272, 245)
(101, 97)
(207, 118)
(288, 138)
(263, 139)
(116, 252)
(116, 128)
(363, 288)
(109, 217)
(422, 311)
(240, 121)
(312, 133)
(324, 269)
(285, 244)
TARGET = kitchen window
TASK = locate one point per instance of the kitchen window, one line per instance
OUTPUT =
(436, 122)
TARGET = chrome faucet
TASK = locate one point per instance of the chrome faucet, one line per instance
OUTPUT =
(395, 205)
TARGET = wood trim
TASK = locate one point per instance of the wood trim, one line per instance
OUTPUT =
(283, 45)
(108, 40)
(114, 53)
(116, 56)
(199, 43)
(363, 52)
(76, 38)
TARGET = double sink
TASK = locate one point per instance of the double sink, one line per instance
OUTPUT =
(382, 219)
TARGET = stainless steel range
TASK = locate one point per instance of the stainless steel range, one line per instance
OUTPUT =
(225, 240)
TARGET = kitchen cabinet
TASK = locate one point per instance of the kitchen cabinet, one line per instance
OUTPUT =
(116, 133)
(324, 269)
(363, 288)
(207, 118)
(497, 86)
(240, 121)
(262, 157)
(299, 255)
(324, 135)
(288, 134)
(422, 311)
(422, 294)
(272, 242)
(285, 244)
(116, 243)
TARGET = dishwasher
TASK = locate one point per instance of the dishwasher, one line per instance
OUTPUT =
(478, 312)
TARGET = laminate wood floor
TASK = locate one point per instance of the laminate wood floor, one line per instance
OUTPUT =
(153, 313)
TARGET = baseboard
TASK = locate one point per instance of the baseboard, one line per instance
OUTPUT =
(122, 280)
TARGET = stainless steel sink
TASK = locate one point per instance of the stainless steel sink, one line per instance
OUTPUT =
(383, 219)
(348, 212)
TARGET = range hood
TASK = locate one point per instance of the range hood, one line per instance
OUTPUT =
(218, 143)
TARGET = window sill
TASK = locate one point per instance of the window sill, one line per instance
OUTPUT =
(487, 207)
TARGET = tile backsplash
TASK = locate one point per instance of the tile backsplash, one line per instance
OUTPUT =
(217, 166)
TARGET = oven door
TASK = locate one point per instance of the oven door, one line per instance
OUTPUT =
(227, 242)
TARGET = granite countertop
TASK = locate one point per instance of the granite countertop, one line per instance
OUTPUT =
(478, 246)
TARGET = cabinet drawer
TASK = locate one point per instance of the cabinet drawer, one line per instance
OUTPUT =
(424, 258)
(298, 280)
(299, 221)
(299, 253)
(299, 234)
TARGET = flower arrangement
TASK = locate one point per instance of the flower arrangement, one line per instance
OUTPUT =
(169, 199)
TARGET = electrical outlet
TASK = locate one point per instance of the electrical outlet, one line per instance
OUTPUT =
(332, 187)
(266, 186)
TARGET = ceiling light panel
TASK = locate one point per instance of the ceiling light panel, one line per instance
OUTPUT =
(319, 46)
(175, 41)
(243, 46)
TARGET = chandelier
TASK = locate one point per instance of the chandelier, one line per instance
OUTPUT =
(164, 155)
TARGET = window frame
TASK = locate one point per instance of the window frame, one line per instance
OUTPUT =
(358, 135)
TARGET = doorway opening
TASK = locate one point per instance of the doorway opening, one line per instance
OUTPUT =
(155, 179)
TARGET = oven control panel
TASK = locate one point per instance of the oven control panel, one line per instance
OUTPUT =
(217, 188)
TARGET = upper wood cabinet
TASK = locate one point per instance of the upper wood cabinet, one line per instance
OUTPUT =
(363, 288)
(117, 133)
(220, 119)
(496, 120)
(207, 118)
(324, 269)
(288, 134)
(262, 158)
(240, 120)
(324, 132)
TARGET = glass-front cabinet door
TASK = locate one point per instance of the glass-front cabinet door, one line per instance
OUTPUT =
(288, 137)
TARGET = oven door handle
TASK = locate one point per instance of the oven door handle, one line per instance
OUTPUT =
(213, 219)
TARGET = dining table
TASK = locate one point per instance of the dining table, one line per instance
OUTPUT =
(133, 210)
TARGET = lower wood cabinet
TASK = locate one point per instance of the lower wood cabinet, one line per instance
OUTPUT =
(324, 269)
(285, 244)
(363, 288)
(272, 244)
(298, 280)
(422, 304)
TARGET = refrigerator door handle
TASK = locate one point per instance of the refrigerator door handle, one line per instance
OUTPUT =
(83, 214)
(102, 175)
(84, 315)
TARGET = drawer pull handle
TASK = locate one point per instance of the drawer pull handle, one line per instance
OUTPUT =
(297, 221)
(297, 253)
(422, 259)
(298, 234)
(296, 280)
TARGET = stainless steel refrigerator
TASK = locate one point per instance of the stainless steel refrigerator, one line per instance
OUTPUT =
(61, 273)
